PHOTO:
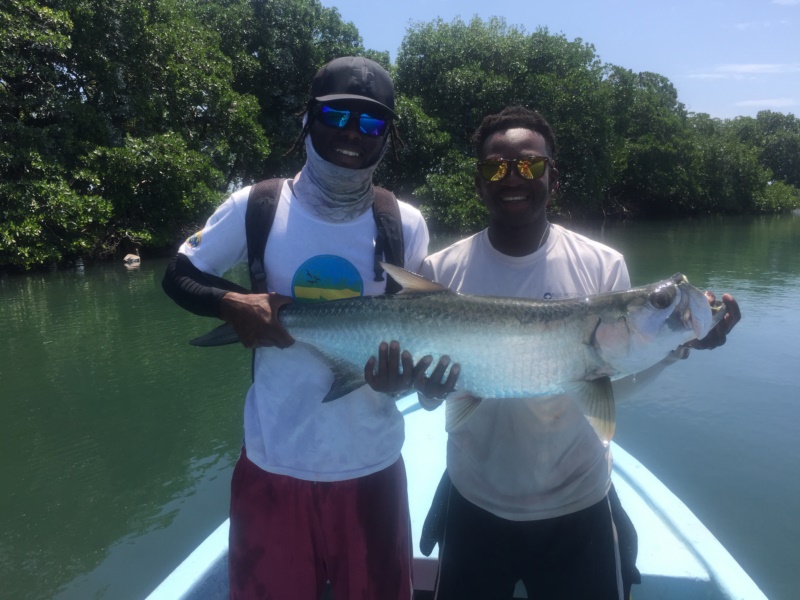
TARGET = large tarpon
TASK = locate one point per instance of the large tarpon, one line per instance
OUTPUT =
(507, 347)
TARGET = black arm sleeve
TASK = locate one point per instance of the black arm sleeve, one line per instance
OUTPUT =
(194, 290)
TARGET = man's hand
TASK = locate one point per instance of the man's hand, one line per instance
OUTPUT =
(396, 370)
(433, 387)
(254, 317)
(717, 336)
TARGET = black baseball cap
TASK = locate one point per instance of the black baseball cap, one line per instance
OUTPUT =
(354, 78)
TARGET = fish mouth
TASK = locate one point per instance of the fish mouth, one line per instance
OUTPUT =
(702, 317)
(718, 310)
(691, 308)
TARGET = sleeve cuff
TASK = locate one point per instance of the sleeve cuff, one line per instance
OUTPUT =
(428, 403)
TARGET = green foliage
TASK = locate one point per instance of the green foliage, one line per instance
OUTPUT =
(451, 202)
(728, 172)
(158, 69)
(34, 84)
(424, 145)
(129, 120)
(43, 220)
(654, 155)
(778, 197)
(164, 106)
(431, 172)
(159, 186)
(777, 137)
(276, 47)
(460, 72)
(780, 145)
(34, 40)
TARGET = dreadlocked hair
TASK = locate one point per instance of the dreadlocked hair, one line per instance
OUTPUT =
(394, 134)
(298, 143)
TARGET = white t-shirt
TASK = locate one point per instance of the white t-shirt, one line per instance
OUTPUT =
(287, 428)
(531, 458)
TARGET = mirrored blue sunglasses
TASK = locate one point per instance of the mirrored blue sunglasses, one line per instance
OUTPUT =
(367, 124)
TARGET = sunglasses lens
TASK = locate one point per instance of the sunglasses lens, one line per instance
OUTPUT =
(371, 126)
(531, 168)
(493, 170)
(338, 118)
(528, 168)
(334, 118)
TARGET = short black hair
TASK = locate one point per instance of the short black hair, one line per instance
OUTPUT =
(513, 117)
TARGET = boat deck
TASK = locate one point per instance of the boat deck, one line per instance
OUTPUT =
(678, 557)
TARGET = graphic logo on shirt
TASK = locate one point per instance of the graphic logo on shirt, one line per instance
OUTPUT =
(326, 277)
(194, 240)
(560, 294)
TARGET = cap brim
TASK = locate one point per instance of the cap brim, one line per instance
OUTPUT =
(333, 97)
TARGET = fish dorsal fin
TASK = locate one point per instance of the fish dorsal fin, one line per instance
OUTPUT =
(596, 400)
(411, 282)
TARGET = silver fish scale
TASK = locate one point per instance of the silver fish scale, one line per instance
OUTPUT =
(506, 347)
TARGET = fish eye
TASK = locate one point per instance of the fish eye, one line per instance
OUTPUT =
(663, 297)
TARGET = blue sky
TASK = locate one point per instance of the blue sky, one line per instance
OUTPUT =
(726, 58)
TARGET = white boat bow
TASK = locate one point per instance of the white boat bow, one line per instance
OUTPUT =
(678, 556)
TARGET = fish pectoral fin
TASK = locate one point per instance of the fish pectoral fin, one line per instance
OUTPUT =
(596, 400)
(346, 377)
(411, 282)
(219, 336)
(458, 409)
(343, 386)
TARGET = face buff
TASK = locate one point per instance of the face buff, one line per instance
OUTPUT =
(334, 193)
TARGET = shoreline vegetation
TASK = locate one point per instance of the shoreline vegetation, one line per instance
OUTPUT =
(123, 125)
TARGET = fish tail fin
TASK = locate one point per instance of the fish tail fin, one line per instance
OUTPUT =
(459, 408)
(219, 336)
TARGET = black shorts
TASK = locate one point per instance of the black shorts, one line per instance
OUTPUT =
(482, 556)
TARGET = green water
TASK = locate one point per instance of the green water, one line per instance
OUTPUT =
(117, 439)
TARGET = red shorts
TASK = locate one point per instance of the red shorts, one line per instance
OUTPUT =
(289, 536)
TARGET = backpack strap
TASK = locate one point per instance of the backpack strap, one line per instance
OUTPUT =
(262, 203)
(261, 206)
(389, 244)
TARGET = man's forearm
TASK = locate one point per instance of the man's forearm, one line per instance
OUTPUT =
(196, 291)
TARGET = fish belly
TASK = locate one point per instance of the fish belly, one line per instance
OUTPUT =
(503, 354)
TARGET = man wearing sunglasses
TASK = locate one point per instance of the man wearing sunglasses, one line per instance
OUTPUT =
(319, 491)
(529, 493)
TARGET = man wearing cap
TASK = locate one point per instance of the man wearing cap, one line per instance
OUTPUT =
(319, 491)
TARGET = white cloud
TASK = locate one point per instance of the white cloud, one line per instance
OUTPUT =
(748, 70)
(768, 103)
(709, 76)
(753, 25)
(759, 68)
